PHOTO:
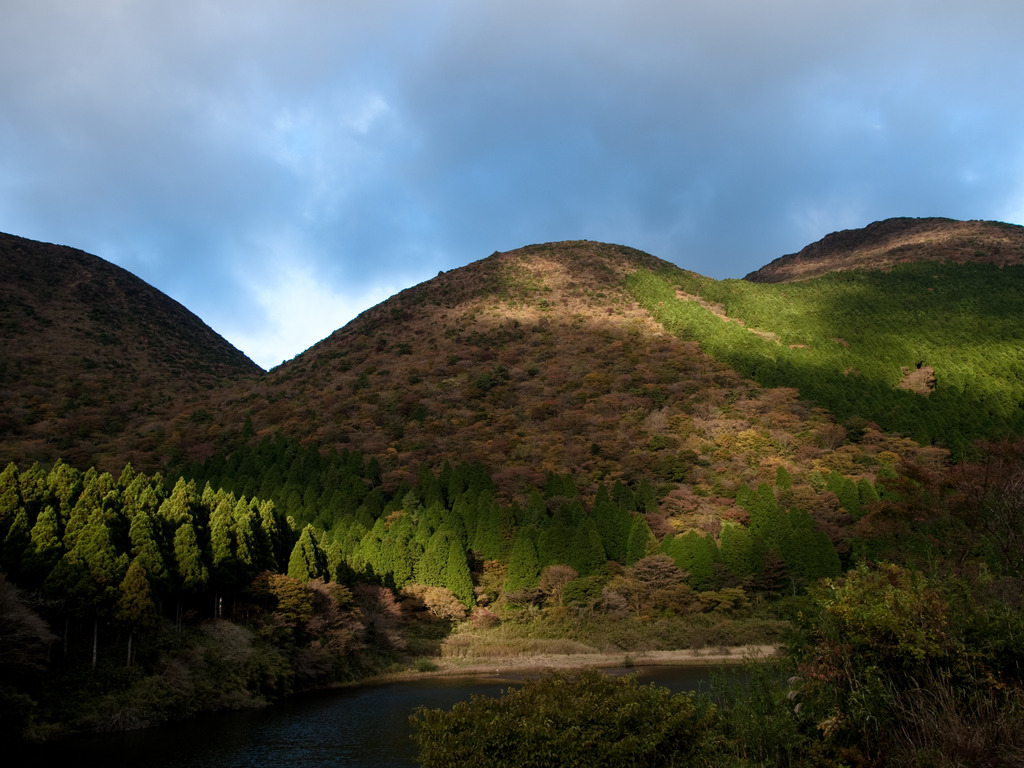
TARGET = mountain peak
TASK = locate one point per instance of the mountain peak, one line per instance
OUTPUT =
(880, 245)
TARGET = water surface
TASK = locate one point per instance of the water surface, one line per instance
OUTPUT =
(361, 726)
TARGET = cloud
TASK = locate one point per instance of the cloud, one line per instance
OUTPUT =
(365, 143)
(291, 308)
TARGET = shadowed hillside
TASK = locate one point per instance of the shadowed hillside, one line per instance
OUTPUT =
(94, 357)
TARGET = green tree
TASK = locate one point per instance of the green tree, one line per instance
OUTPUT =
(523, 563)
(456, 573)
(737, 551)
(135, 607)
(44, 548)
(614, 524)
(587, 552)
(640, 538)
(431, 566)
(308, 559)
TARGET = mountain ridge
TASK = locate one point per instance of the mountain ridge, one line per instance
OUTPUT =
(882, 244)
(538, 359)
(91, 350)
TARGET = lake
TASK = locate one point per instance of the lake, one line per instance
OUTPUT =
(360, 726)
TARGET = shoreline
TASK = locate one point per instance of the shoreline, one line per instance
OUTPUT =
(518, 667)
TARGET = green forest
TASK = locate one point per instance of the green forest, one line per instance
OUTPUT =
(847, 339)
(301, 566)
(616, 458)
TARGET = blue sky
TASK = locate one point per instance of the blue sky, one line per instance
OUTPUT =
(279, 166)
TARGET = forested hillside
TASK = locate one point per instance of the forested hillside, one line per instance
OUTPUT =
(927, 350)
(568, 447)
(95, 362)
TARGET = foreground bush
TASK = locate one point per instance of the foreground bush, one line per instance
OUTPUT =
(587, 720)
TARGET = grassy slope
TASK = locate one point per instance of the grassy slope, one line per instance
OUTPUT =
(847, 340)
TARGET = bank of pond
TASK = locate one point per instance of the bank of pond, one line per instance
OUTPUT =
(366, 725)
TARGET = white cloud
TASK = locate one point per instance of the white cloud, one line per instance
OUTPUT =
(297, 310)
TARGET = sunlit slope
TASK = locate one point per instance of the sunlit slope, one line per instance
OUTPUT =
(883, 244)
(930, 350)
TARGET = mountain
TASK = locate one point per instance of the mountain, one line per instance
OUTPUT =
(579, 358)
(570, 437)
(95, 360)
(882, 244)
(532, 361)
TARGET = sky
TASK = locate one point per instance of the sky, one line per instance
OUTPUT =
(278, 166)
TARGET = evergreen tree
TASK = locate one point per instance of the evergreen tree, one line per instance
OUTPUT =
(146, 549)
(646, 499)
(222, 541)
(536, 510)
(553, 542)
(613, 524)
(14, 546)
(10, 497)
(65, 484)
(866, 493)
(308, 559)
(192, 571)
(523, 563)
(587, 552)
(494, 529)
(737, 551)
(44, 548)
(135, 607)
(624, 497)
(456, 573)
(251, 550)
(640, 537)
(694, 554)
(430, 569)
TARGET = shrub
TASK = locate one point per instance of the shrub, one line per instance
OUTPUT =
(589, 719)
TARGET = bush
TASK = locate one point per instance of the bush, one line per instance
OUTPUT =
(585, 720)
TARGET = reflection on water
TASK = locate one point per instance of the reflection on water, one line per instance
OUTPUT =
(364, 726)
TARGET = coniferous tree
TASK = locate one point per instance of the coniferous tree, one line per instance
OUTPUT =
(95, 549)
(147, 551)
(523, 563)
(613, 524)
(696, 555)
(135, 607)
(737, 551)
(15, 544)
(192, 572)
(456, 573)
(866, 493)
(640, 537)
(308, 559)
(646, 499)
(553, 542)
(65, 483)
(494, 529)
(431, 566)
(587, 552)
(624, 497)
(10, 497)
(44, 548)
(222, 541)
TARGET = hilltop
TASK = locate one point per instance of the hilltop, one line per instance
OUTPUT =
(883, 244)
(94, 359)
